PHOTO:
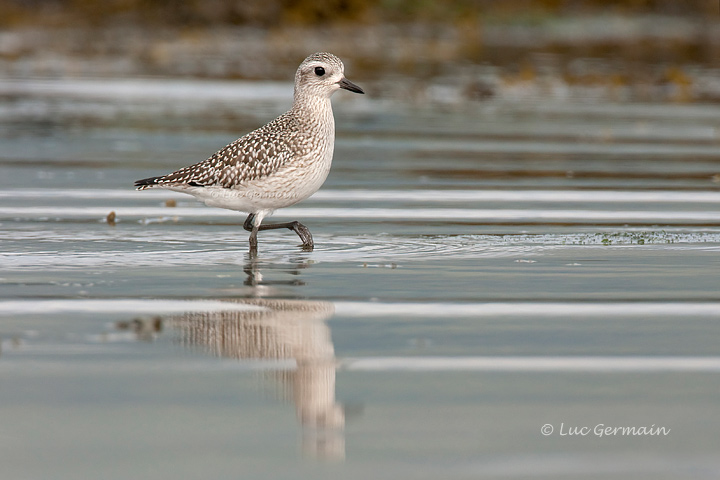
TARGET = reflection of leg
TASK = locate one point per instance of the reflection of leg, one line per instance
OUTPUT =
(314, 382)
(321, 416)
(301, 230)
(251, 270)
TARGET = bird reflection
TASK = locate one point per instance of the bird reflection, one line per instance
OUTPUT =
(279, 329)
(255, 277)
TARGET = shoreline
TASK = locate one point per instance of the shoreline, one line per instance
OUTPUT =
(645, 58)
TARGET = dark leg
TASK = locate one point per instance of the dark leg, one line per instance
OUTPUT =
(301, 230)
(249, 222)
(250, 227)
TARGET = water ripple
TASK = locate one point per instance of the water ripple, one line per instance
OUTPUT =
(207, 248)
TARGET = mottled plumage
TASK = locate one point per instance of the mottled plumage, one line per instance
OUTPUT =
(277, 165)
(258, 154)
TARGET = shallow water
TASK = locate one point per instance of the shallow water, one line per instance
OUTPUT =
(478, 273)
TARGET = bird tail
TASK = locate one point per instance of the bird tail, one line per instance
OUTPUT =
(146, 183)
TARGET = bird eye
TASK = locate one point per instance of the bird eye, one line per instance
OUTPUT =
(319, 71)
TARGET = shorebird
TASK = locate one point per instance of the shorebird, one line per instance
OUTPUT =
(277, 165)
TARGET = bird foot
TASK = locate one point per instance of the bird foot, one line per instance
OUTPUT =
(304, 233)
(301, 230)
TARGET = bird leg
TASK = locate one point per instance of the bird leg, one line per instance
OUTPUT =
(250, 227)
(301, 230)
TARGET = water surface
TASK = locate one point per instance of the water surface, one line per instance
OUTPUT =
(479, 272)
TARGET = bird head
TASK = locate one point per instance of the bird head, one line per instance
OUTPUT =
(322, 74)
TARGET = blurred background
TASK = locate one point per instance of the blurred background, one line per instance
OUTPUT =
(451, 51)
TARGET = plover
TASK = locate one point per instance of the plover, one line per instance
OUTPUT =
(277, 165)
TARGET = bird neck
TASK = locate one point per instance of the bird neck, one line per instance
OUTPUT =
(304, 98)
(313, 109)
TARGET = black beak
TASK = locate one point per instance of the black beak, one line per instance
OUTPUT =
(348, 85)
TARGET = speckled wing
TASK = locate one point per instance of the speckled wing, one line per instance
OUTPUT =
(258, 154)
